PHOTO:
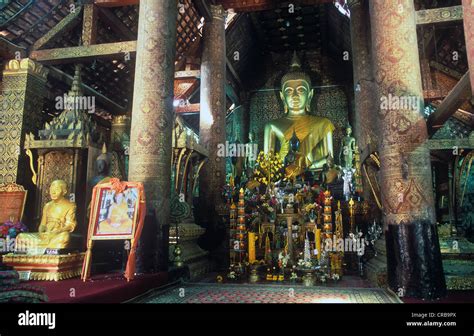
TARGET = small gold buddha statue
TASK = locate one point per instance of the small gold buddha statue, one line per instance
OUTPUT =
(58, 221)
(331, 172)
(314, 132)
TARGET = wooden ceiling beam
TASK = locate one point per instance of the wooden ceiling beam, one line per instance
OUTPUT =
(84, 53)
(436, 15)
(456, 97)
(446, 70)
(188, 109)
(449, 144)
(247, 6)
(116, 3)
(89, 25)
(260, 5)
(186, 74)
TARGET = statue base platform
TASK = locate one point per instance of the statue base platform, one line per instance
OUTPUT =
(195, 258)
(376, 268)
(46, 267)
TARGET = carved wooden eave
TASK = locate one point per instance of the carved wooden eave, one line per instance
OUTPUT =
(184, 87)
(79, 142)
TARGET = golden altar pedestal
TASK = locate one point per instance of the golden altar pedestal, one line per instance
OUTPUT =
(46, 267)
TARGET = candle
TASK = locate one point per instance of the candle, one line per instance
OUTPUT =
(318, 242)
(251, 237)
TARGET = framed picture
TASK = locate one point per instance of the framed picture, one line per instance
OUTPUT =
(117, 212)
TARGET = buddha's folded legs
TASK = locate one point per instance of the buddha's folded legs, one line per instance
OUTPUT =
(28, 241)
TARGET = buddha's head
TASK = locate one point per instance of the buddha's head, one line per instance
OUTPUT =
(102, 162)
(251, 136)
(58, 190)
(296, 92)
(348, 129)
(294, 142)
(330, 161)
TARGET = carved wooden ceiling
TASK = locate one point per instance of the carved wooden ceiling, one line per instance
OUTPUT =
(24, 22)
(443, 60)
(262, 26)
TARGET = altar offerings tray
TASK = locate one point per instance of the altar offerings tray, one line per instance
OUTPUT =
(46, 267)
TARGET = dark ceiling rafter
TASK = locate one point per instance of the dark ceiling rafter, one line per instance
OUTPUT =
(455, 99)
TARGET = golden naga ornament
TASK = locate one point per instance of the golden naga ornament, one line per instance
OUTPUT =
(314, 132)
(58, 221)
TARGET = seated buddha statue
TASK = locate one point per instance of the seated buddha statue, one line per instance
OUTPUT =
(294, 162)
(58, 221)
(331, 172)
(314, 132)
(102, 166)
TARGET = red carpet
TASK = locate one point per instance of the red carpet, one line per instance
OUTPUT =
(111, 288)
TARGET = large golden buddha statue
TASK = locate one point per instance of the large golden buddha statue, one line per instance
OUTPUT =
(314, 133)
(58, 221)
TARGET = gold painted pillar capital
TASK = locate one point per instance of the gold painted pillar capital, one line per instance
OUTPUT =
(218, 12)
(25, 66)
